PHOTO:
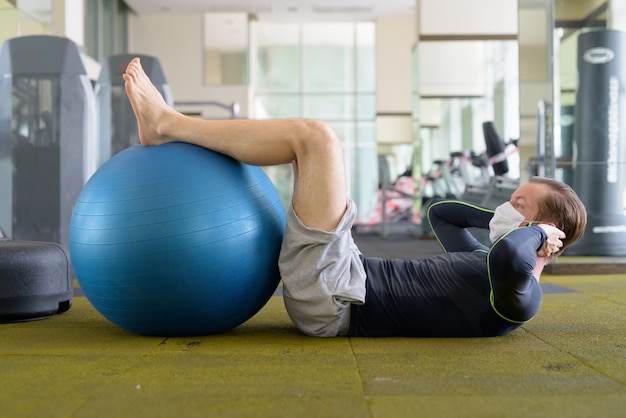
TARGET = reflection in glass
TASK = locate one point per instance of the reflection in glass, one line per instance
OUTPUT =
(327, 72)
(226, 48)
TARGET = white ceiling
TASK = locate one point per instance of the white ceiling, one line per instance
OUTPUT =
(282, 9)
(319, 9)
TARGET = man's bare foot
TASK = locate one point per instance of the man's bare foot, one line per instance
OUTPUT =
(150, 109)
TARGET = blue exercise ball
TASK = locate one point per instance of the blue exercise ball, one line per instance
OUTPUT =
(177, 240)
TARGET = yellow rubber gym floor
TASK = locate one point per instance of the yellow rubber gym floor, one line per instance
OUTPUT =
(570, 361)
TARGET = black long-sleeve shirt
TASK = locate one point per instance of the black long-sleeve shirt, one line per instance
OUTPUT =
(468, 291)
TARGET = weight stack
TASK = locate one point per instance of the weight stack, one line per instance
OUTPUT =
(599, 137)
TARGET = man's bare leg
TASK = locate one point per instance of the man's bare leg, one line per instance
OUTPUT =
(320, 188)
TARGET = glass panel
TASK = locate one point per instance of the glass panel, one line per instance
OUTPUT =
(329, 107)
(277, 58)
(316, 65)
(366, 180)
(91, 28)
(366, 57)
(226, 48)
(108, 20)
(106, 28)
(366, 106)
(121, 28)
(328, 55)
(277, 106)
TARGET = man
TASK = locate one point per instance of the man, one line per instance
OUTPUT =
(329, 288)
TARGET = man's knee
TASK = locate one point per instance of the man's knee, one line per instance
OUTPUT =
(319, 139)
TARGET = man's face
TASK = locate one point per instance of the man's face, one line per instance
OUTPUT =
(526, 199)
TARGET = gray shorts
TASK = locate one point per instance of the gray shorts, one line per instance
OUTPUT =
(322, 275)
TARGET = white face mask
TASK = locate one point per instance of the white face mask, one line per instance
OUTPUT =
(504, 219)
